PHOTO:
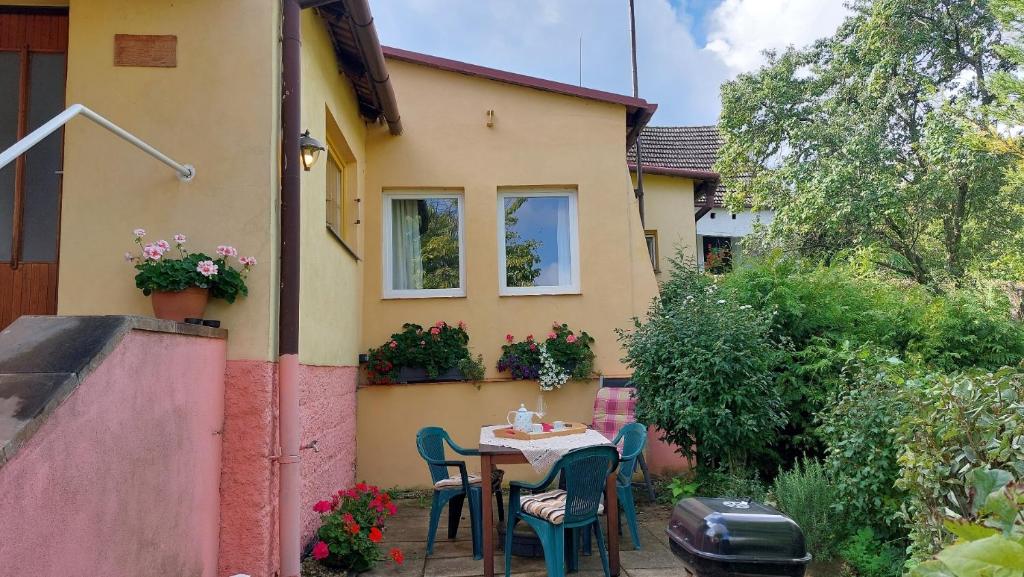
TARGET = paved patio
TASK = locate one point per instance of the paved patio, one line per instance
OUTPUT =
(408, 531)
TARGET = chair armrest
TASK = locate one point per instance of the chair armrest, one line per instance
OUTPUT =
(462, 450)
(445, 463)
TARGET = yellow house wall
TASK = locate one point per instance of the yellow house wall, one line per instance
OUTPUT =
(539, 139)
(668, 208)
(216, 110)
(330, 299)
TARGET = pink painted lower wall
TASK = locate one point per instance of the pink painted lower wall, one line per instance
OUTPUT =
(248, 539)
(663, 458)
(122, 478)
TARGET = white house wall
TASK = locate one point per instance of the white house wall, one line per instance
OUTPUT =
(724, 225)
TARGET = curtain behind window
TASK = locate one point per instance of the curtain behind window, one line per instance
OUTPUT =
(407, 257)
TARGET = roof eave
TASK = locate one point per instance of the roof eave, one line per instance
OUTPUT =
(681, 172)
(638, 110)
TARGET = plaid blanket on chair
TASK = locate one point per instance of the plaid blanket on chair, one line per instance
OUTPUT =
(613, 409)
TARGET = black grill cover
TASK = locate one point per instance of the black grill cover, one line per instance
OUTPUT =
(734, 531)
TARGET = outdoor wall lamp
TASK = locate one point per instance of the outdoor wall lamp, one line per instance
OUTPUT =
(311, 148)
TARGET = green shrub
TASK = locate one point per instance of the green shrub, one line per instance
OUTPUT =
(991, 538)
(861, 449)
(734, 483)
(959, 425)
(807, 495)
(702, 367)
(868, 556)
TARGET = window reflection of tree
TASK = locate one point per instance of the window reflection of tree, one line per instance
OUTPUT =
(439, 237)
(521, 258)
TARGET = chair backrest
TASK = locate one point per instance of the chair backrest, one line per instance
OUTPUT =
(613, 409)
(430, 444)
(633, 437)
(585, 472)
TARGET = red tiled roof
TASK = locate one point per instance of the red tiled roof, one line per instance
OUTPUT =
(685, 151)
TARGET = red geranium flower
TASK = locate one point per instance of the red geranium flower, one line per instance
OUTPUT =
(375, 535)
(354, 528)
(392, 509)
(322, 506)
(396, 554)
(320, 550)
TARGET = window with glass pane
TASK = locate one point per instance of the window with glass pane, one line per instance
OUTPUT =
(335, 195)
(423, 245)
(539, 252)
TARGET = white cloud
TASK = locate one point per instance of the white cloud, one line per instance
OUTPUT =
(741, 29)
(541, 38)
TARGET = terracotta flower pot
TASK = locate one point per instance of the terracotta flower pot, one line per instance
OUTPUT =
(180, 305)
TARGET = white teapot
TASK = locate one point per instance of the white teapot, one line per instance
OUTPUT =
(523, 419)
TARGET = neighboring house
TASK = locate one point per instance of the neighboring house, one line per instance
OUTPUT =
(679, 180)
(202, 82)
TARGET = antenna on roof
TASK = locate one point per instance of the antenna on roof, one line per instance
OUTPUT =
(639, 192)
(581, 60)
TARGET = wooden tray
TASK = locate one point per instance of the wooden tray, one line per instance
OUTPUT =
(570, 429)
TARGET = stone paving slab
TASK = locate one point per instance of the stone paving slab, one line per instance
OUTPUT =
(454, 558)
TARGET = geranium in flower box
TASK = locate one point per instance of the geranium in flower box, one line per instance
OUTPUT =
(352, 529)
(418, 354)
(181, 282)
(562, 356)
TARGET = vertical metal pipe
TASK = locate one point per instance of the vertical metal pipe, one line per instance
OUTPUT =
(288, 305)
(636, 94)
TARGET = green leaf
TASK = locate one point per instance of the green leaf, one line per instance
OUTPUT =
(994, 556)
(986, 482)
(931, 569)
(969, 531)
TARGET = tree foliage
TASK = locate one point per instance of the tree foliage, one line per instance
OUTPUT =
(868, 139)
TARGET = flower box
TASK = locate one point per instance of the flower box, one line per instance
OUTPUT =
(413, 375)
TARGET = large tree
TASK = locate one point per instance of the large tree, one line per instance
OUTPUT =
(868, 139)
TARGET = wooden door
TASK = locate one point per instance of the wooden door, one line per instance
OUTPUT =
(33, 67)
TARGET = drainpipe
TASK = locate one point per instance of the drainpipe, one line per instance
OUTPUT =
(288, 303)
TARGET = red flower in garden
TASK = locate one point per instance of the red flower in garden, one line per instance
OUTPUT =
(396, 554)
(361, 487)
(375, 535)
(435, 331)
(320, 550)
(529, 338)
(348, 518)
(322, 506)
(354, 528)
(510, 338)
(392, 509)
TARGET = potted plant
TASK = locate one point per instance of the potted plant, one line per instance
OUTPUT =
(180, 283)
(352, 527)
(416, 354)
(563, 355)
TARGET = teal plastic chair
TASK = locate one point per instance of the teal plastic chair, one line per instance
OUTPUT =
(633, 438)
(584, 473)
(430, 442)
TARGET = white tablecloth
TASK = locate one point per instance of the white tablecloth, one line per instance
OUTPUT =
(543, 453)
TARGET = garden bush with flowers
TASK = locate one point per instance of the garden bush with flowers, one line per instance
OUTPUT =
(352, 529)
(165, 268)
(562, 356)
(437, 349)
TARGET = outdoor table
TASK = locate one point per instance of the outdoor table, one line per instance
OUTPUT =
(491, 455)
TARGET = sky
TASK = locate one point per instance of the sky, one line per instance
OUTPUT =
(685, 48)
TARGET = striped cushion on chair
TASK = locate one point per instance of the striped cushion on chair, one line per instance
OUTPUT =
(613, 409)
(456, 481)
(549, 506)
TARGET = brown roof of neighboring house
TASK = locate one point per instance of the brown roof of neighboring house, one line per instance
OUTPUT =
(686, 151)
(638, 110)
(358, 51)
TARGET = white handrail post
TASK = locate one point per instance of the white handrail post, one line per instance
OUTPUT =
(185, 172)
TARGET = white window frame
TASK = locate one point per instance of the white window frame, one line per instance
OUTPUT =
(391, 293)
(574, 246)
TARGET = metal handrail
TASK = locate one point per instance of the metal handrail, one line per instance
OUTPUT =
(186, 172)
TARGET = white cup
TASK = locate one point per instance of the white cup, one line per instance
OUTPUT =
(558, 425)
(537, 428)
